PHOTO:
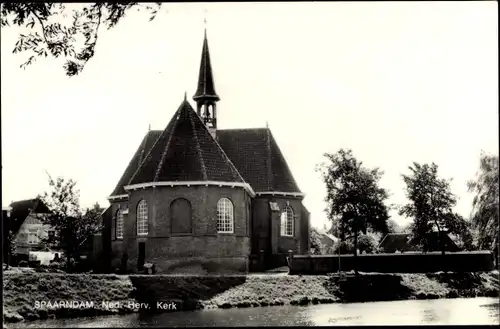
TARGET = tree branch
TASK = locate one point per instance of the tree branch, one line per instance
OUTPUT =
(49, 44)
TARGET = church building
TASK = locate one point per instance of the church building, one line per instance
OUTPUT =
(195, 197)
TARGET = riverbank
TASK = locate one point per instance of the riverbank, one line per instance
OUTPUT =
(23, 290)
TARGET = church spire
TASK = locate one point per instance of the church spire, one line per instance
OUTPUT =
(205, 96)
(206, 86)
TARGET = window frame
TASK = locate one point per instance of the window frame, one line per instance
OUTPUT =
(33, 232)
(288, 223)
(224, 221)
(142, 224)
(119, 225)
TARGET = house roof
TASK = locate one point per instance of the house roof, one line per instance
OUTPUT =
(23, 208)
(186, 151)
(399, 241)
(258, 158)
(395, 241)
(135, 162)
(328, 239)
(206, 86)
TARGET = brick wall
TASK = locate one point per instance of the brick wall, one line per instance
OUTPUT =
(266, 237)
(203, 247)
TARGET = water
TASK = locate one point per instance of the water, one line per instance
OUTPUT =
(461, 311)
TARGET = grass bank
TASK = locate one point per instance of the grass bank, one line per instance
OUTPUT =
(24, 294)
(22, 290)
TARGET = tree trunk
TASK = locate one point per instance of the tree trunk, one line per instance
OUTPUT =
(356, 252)
(441, 239)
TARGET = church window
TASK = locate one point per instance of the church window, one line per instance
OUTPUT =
(287, 221)
(142, 218)
(119, 224)
(180, 214)
(225, 216)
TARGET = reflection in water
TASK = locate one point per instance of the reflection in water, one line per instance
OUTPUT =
(472, 311)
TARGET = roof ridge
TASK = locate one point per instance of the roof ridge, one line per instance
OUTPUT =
(152, 146)
(270, 177)
(222, 150)
(158, 169)
(130, 169)
(143, 148)
(285, 163)
(198, 148)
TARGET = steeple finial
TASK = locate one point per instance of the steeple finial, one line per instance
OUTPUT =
(267, 124)
(185, 96)
(205, 21)
(149, 127)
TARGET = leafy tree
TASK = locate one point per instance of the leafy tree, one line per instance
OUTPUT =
(346, 247)
(46, 36)
(72, 225)
(355, 202)
(485, 202)
(430, 206)
(393, 227)
(315, 240)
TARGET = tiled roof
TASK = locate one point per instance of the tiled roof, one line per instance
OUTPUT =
(258, 158)
(206, 86)
(186, 151)
(139, 155)
(395, 241)
(399, 241)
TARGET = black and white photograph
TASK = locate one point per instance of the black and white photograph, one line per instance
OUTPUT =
(249, 164)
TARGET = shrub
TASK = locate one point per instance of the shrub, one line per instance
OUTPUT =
(366, 243)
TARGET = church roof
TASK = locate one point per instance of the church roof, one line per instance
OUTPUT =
(258, 158)
(139, 155)
(186, 151)
(206, 86)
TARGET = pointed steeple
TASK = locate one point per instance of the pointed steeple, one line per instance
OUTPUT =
(206, 86)
(205, 97)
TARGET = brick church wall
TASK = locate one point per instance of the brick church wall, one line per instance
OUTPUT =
(264, 237)
(204, 247)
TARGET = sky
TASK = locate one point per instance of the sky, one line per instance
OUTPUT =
(396, 82)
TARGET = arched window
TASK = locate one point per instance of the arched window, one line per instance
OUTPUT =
(142, 218)
(180, 214)
(225, 216)
(287, 221)
(119, 224)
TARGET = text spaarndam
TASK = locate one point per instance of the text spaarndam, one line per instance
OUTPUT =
(64, 304)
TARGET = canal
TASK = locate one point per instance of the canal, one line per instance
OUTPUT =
(460, 311)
